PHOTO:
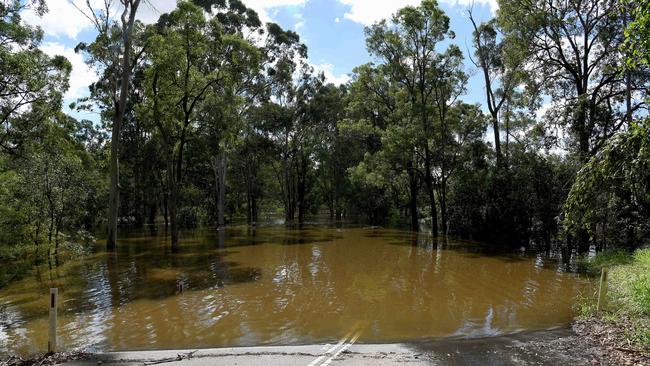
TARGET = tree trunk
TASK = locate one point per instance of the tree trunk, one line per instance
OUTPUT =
(249, 208)
(330, 208)
(443, 206)
(166, 209)
(628, 76)
(431, 192)
(290, 205)
(507, 122)
(220, 175)
(253, 208)
(302, 188)
(497, 140)
(173, 204)
(114, 198)
(413, 201)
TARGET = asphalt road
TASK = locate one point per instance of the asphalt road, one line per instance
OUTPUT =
(554, 347)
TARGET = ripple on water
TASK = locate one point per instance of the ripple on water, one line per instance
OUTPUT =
(277, 285)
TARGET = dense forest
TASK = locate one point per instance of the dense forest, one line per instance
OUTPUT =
(209, 117)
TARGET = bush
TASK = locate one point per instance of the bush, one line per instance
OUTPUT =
(188, 217)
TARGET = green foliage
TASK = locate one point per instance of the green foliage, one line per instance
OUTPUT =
(49, 179)
(47, 193)
(32, 83)
(637, 33)
(610, 198)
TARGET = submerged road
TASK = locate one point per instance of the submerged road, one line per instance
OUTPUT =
(554, 347)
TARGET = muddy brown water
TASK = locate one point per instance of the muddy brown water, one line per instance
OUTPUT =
(280, 286)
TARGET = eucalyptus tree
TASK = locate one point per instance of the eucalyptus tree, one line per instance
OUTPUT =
(288, 124)
(229, 102)
(327, 108)
(190, 58)
(375, 111)
(500, 67)
(573, 49)
(110, 53)
(285, 85)
(432, 81)
(610, 197)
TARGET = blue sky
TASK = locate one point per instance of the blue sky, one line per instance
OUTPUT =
(333, 31)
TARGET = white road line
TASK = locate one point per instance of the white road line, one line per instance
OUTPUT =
(326, 363)
(329, 351)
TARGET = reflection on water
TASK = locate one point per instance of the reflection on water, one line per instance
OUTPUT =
(277, 285)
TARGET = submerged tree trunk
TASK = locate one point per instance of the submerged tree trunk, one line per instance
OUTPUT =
(443, 206)
(166, 208)
(289, 192)
(413, 193)
(173, 203)
(433, 209)
(220, 167)
(253, 209)
(431, 192)
(302, 187)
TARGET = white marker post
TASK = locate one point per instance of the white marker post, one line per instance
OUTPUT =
(54, 297)
(602, 291)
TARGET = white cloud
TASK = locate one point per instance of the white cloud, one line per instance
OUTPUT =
(80, 77)
(299, 25)
(62, 19)
(263, 6)
(150, 11)
(493, 4)
(337, 20)
(327, 70)
(368, 12)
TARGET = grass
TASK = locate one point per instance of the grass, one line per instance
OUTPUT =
(628, 299)
(630, 294)
(592, 266)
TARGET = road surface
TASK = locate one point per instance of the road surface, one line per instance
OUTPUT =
(554, 347)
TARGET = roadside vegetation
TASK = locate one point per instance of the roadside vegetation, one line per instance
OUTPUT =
(625, 319)
(630, 296)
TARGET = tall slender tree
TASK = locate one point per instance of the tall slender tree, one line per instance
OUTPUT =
(112, 42)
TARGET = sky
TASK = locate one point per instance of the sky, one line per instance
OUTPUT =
(333, 31)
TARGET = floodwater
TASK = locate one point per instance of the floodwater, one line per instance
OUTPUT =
(279, 286)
